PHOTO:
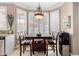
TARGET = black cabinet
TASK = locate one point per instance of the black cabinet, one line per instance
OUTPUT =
(64, 40)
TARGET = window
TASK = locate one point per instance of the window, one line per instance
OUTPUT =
(54, 21)
(35, 26)
(21, 20)
(3, 18)
(44, 24)
(32, 24)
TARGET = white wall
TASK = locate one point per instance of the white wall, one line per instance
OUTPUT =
(9, 44)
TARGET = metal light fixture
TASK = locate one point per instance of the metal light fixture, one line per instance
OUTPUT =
(39, 15)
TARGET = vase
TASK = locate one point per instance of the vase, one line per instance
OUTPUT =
(10, 31)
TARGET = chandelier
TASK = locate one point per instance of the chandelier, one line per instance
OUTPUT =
(39, 15)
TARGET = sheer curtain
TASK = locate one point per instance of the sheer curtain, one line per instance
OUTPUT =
(45, 24)
(3, 18)
(21, 18)
(54, 21)
(32, 24)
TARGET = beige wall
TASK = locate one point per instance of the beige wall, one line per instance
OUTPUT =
(75, 40)
(71, 9)
(67, 10)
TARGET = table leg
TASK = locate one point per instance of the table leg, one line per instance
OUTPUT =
(20, 48)
(33, 46)
(47, 50)
(30, 49)
(44, 47)
(4, 48)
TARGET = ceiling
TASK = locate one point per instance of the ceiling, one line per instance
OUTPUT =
(34, 5)
(44, 5)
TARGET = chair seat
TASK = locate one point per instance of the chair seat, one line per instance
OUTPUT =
(26, 42)
(38, 39)
(51, 42)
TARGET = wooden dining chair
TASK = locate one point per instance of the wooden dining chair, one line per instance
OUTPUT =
(53, 43)
(40, 45)
(23, 43)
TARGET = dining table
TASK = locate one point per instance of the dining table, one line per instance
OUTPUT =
(32, 37)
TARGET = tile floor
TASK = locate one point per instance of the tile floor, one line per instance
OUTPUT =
(16, 52)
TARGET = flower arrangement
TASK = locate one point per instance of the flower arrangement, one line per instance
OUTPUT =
(10, 21)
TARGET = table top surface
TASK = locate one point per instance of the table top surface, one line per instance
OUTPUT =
(39, 37)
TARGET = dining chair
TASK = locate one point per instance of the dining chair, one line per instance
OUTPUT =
(53, 43)
(39, 45)
(23, 43)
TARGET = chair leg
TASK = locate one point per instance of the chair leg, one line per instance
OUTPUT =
(53, 48)
(56, 51)
(47, 51)
(44, 49)
(30, 50)
(33, 50)
(56, 48)
(24, 48)
(20, 50)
